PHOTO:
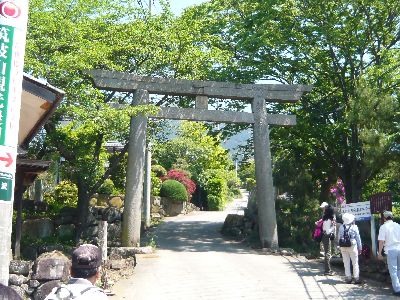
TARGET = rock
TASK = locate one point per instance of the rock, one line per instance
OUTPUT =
(155, 200)
(18, 280)
(93, 201)
(116, 264)
(20, 291)
(65, 231)
(93, 216)
(116, 202)
(155, 209)
(233, 225)
(114, 232)
(28, 290)
(51, 266)
(33, 283)
(90, 231)
(286, 251)
(45, 289)
(40, 228)
(20, 267)
(102, 200)
(111, 215)
(126, 252)
(173, 208)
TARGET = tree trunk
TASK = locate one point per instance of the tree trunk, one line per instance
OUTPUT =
(83, 208)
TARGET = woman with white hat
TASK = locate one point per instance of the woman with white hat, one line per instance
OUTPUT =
(350, 246)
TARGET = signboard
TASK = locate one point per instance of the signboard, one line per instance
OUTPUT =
(361, 210)
(381, 202)
(13, 26)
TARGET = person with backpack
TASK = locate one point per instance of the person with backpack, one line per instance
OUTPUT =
(328, 234)
(350, 246)
(389, 236)
(85, 271)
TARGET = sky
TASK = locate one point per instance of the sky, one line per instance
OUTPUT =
(177, 6)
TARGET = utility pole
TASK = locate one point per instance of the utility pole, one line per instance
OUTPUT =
(13, 27)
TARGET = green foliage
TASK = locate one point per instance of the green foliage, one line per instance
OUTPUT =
(107, 187)
(215, 185)
(156, 183)
(158, 170)
(64, 194)
(250, 184)
(118, 174)
(174, 190)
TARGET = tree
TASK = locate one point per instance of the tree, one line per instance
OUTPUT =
(67, 38)
(349, 51)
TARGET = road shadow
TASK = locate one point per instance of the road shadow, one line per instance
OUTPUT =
(195, 236)
(313, 271)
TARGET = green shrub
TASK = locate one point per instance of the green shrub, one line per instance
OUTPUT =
(107, 187)
(155, 184)
(64, 194)
(250, 184)
(159, 170)
(217, 193)
(174, 190)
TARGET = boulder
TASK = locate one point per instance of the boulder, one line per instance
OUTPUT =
(116, 202)
(127, 252)
(90, 231)
(93, 201)
(111, 215)
(114, 232)
(20, 291)
(18, 280)
(233, 225)
(33, 283)
(39, 228)
(20, 267)
(45, 289)
(102, 200)
(51, 266)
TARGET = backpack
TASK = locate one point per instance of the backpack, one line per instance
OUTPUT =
(317, 233)
(71, 295)
(345, 241)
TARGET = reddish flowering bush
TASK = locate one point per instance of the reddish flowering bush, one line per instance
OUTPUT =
(183, 178)
(339, 192)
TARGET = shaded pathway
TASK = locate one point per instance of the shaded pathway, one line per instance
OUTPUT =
(193, 261)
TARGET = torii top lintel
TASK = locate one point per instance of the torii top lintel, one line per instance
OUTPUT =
(125, 82)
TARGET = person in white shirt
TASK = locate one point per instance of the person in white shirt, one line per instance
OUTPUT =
(389, 237)
(85, 271)
(328, 228)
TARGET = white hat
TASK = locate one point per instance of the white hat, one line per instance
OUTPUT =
(348, 218)
(387, 214)
(323, 204)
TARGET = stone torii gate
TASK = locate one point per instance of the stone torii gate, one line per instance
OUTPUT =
(258, 94)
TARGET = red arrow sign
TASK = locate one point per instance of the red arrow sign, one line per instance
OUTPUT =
(8, 159)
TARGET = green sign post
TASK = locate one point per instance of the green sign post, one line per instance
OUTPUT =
(13, 26)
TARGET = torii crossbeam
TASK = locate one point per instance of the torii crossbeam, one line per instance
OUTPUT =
(258, 94)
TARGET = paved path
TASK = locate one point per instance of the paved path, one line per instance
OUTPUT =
(193, 261)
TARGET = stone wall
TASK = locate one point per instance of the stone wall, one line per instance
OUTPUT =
(35, 279)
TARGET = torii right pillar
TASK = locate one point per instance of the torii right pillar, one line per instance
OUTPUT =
(264, 185)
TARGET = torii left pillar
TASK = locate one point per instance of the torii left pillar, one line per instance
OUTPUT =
(134, 176)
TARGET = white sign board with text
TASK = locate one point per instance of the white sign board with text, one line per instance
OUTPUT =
(361, 210)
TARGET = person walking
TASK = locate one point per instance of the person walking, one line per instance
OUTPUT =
(85, 271)
(389, 237)
(350, 247)
(328, 228)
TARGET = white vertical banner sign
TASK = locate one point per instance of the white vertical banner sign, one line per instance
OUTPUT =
(13, 27)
